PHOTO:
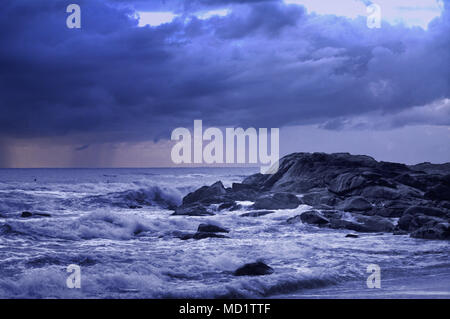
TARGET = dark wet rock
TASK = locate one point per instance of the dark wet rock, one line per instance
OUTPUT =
(241, 187)
(380, 192)
(203, 235)
(199, 235)
(29, 214)
(364, 224)
(255, 179)
(356, 203)
(430, 168)
(257, 213)
(314, 218)
(210, 228)
(391, 208)
(26, 214)
(277, 201)
(226, 205)
(439, 192)
(376, 223)
(320, 198)
(134, 206)
(294, 220)
(371, 191)
(433, 230)
(345, 224)
(206, 194)
(346, 183)
(254, 269)
(231, 206)
(351, 236)
(407, 179)
(192, 210)
(428, 211)
(417, 217)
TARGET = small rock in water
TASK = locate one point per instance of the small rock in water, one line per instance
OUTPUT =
(293, 220)
(351, 236)
(26, 214)
(257, 213)
(254, 269)
(192, 210)
(209, 228)
(314, 218)
(203, 235)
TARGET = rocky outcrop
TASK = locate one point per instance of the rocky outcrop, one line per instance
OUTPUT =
(277, 201)
(206, 194)
(254, 269)
(370, 191)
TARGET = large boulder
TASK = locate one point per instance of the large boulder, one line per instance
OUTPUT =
(314, 218)
(356, 203)
(364, 224)
(192, 210)
(439, 192)
(320, 197)
(254, 269)
(347, 182)
(411, 223)
(438, 230)
(277, 201)
(376, 223)
(206, 194)
(380, 192)
(428, 211)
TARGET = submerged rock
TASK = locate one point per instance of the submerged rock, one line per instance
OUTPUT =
(29, 214)
(351, 236)
(209, 228)
(294, 220)
(314, 218)
(254, 269)
(192, 210)
(257, 213)
(200, 235)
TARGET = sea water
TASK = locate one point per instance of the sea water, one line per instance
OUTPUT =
(116, 225)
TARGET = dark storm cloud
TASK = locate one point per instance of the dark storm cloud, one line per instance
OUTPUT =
(265, 64)
(184, 5)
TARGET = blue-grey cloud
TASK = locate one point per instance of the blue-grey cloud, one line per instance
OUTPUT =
(266, 64)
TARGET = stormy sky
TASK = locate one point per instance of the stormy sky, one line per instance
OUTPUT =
(109, 94)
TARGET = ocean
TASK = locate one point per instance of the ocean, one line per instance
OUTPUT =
(116, 225)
